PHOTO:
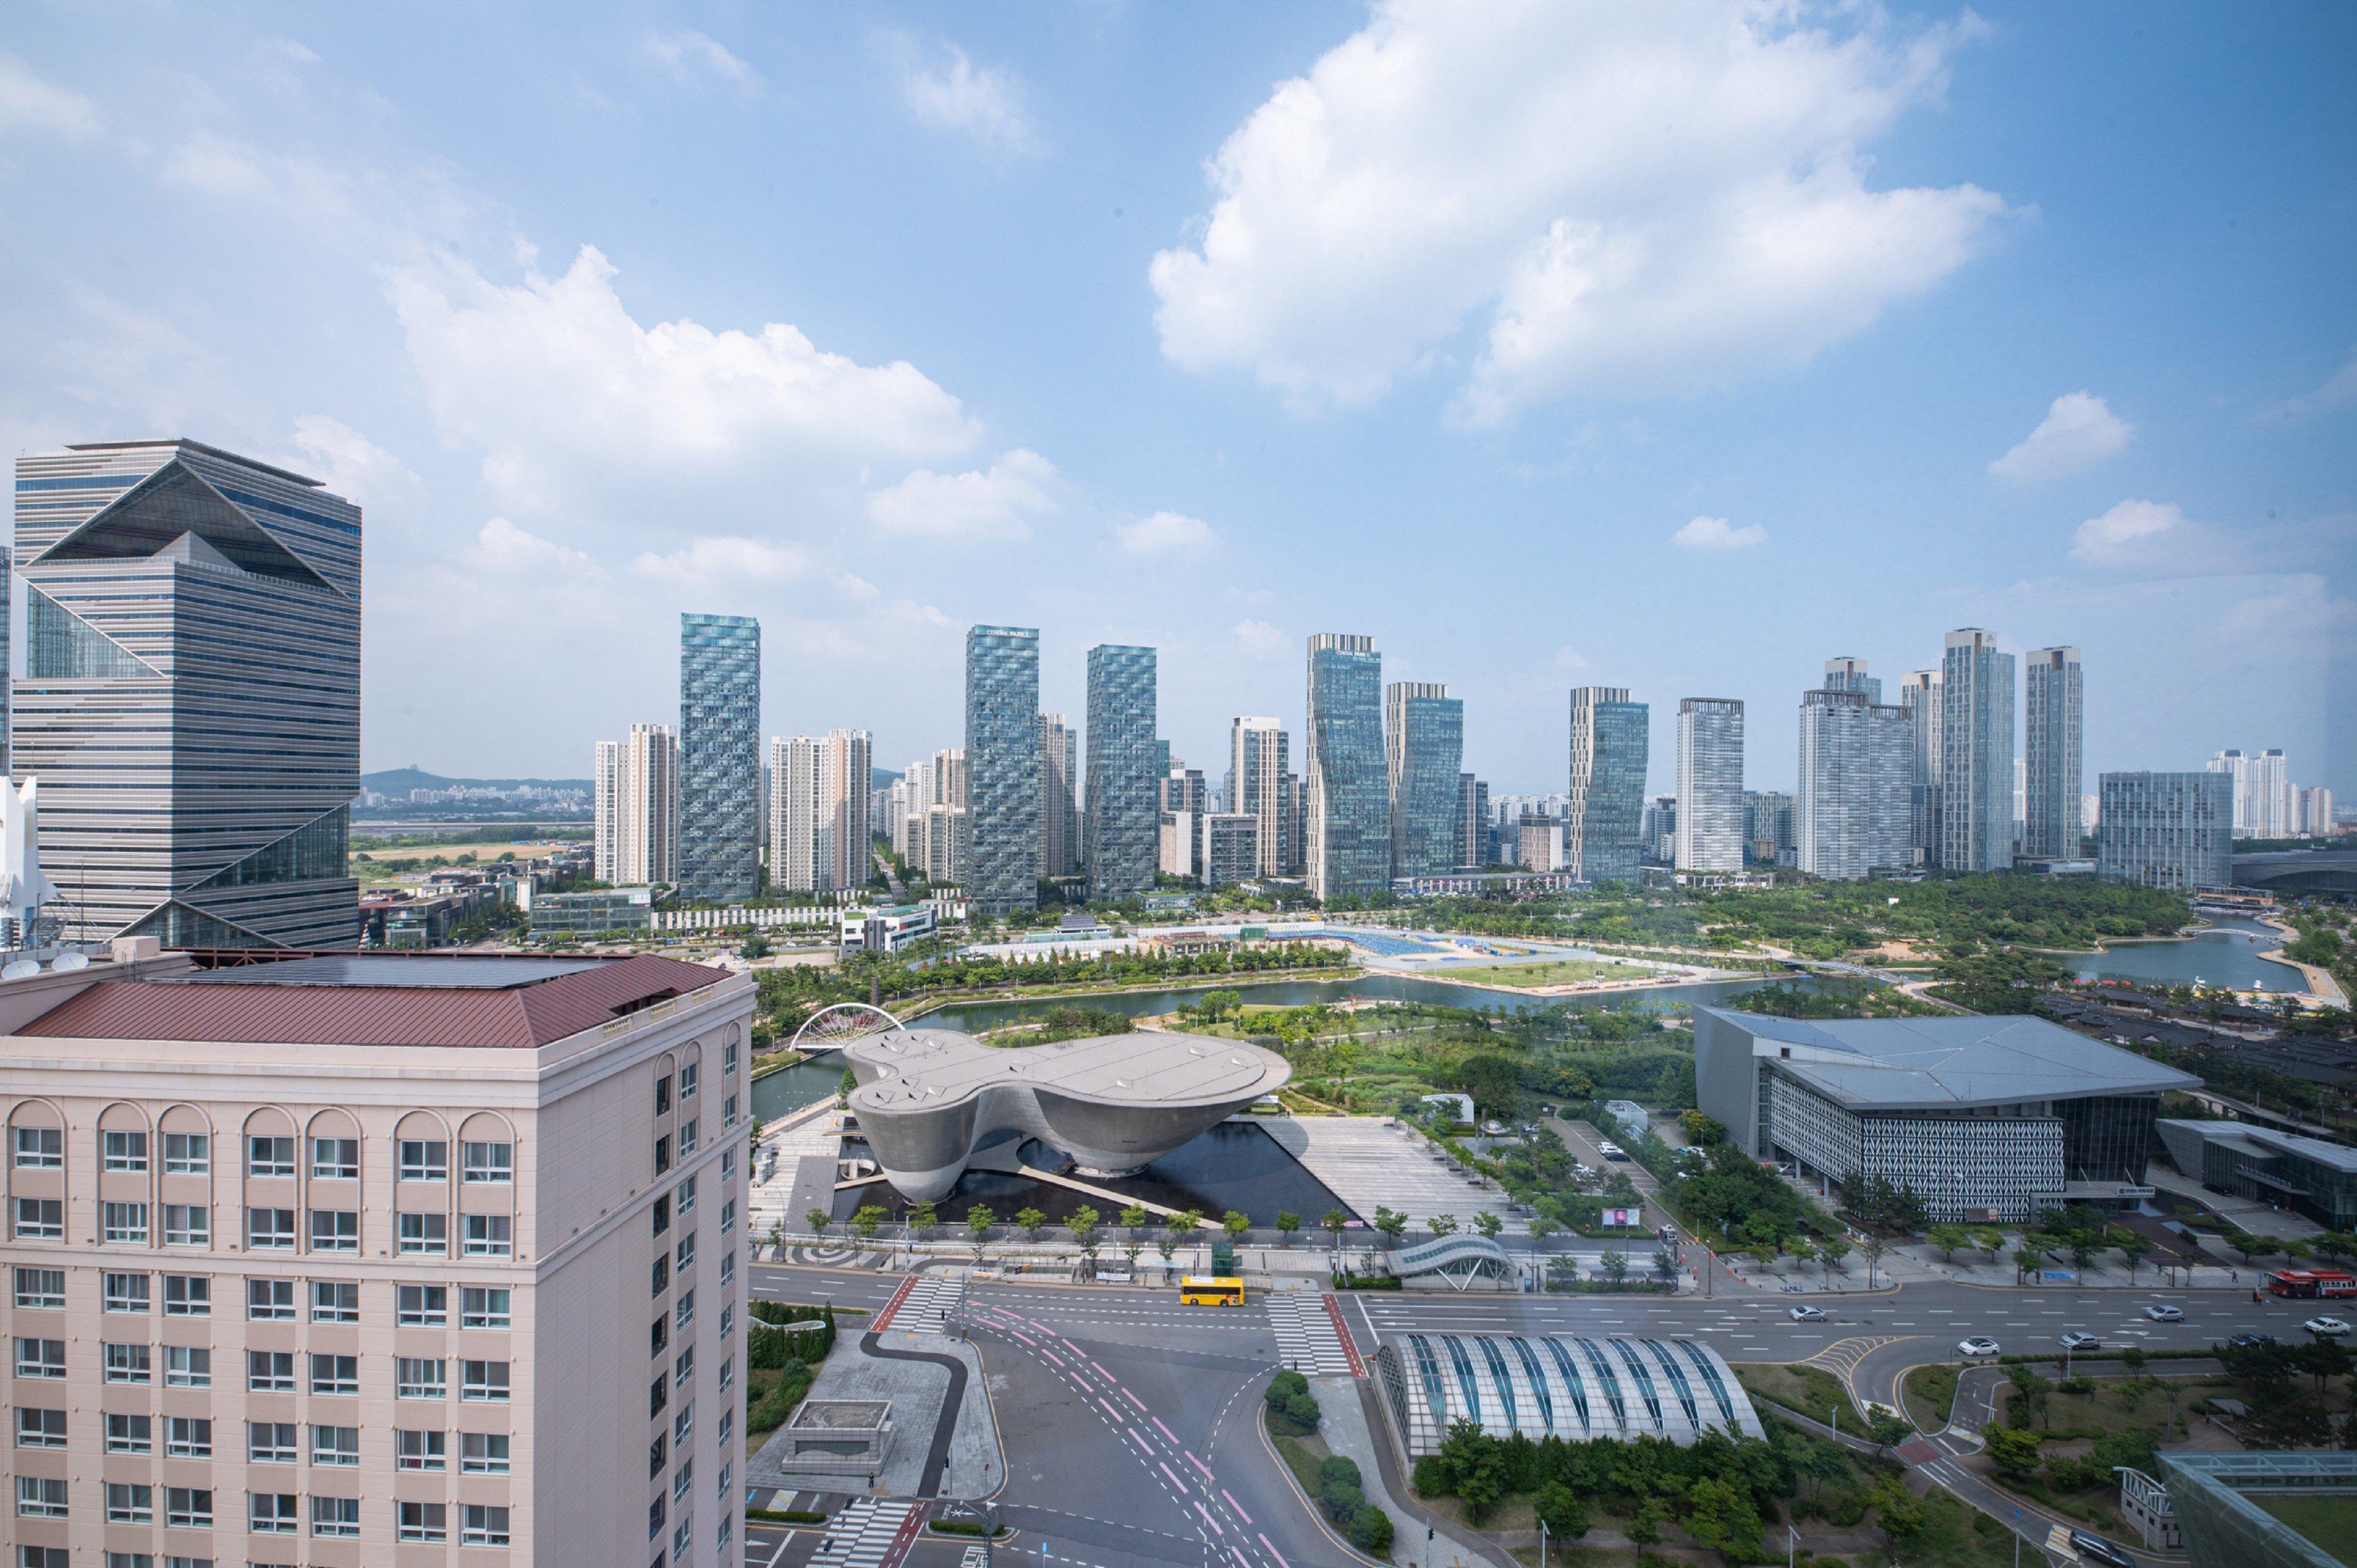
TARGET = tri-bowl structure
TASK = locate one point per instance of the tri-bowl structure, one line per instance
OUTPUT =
(927, 1098)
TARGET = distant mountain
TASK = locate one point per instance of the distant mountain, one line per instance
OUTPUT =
(399, 781)
(882, 778)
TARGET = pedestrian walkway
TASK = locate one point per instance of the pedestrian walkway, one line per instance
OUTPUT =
(867, 1533)
(926, 1303)
(1306, 1340)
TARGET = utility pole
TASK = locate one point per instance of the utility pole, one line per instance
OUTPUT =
(1542, 1545)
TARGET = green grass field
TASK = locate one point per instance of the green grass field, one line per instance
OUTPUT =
(1561, 971)
(2328, 1522)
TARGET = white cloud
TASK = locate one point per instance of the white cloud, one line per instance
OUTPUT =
(694, 57)
(27, 102)
(1642, 198)
(2133, 532)
(946, 91)
(216, 167)
(1712, 533)
(1569, 661)
(569, 399)
(357, 468)
(2079, 431)
(2341, 388)
(712, 561)
(1259, 638)
(1165, 534)
(502, 548)
(997, 505)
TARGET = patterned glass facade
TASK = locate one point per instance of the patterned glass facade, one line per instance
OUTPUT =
(1569, 1387)
(1123, 823)
(720, 756)
(1425, 745)
(1611, 743)
(1002, 762)
(1349, 828)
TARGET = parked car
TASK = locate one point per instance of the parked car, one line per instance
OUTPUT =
(2164, 1313)
(1976, 1346)
(2078, 1341)
(2244, 1341)
(2094, 1548)
(1612, 1151)
(1808, 1314)
(2326, 1327)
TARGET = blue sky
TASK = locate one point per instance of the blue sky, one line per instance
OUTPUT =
(1676, 347)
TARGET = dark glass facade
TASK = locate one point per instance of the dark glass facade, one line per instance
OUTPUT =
(1122, 826)
(2107, 1137)
(1002, 762)
(720, 756)
(1350, 827)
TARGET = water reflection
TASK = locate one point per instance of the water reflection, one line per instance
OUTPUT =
(2226, 953)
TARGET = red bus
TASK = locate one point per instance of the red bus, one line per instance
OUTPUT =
(2312, 1282)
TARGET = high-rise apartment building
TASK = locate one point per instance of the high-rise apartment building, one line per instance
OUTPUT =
(1769, 833)
(2167, 830)
(1002, 768)
(190, 696)
(1182, 789)
(2316, 812)
(801, 858)
(851, 765)
(1845, 673)
(1857, 764)
(1424, 740)
(720, 756)
(1348, 808)
(1472, 822)
(1060, 810)
(2264, 803)
(1122, 822)
(637, 842)
(606, 794)
(1257, 771)
(2053, 742)
(1920, 693)
(1660, 831)
(1975, 753)
(1604, 816)
(1711, 784)
(341, 1259)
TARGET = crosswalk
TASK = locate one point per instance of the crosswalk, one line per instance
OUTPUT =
(1306, 1340)
(931, 1299)
(865, 1532)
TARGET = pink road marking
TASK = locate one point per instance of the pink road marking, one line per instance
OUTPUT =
(1110, 1412)
(1174, 1479)
(1019, 1335)
(1209, 1519)
(1078, 1353)
(1197, 1463)
(1101, 1371)
(1133, 1399)
(1273, 1551)
(1166, 1431)
(1051, 1357)
(1139, 1438)
(1239, 1557)
(1235, 1505)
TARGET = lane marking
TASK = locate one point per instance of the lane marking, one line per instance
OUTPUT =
(1199, 1464)
(1174, 1477)
(1273, 1551)
(1235, 1505)
(1133, 1399)
(1209, 1519)
(1165, 1431)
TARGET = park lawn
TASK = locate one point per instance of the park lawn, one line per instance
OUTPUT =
(1559, 972)
(1956, 1535)
(2089, 1415)
(1931, 1394)
(2328, 1522)
(1813, 1392)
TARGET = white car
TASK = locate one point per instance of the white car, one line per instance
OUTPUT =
(1808, 1313)
(2165, 1314)
(1977, 1347)
(2326, 1327)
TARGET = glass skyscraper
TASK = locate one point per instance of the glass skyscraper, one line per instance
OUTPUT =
(190, 694)
(2052, 741)
(720, 756)
(1611, 744)
(1123, 823)
(1975, 754)
(1423, 737)
(1349, 798)
(1002, 768)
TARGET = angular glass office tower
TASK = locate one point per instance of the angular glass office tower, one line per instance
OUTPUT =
(190, 700)
(1349, 831)
(1059, 811)
(1424, 741)
(1975, 753)
(1611, 742)
(1711, 784)
(2052, 740)
(1001, 768)
(720, 756)
(1122, 826)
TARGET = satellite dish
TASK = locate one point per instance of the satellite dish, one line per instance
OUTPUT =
(21, 969)
(69, 962)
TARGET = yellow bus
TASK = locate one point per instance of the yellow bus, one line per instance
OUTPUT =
(1210, 1290)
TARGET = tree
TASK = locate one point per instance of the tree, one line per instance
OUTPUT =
(778, 1233)
(1031, 1222)
(1084, 1223)
(1902, 1517)
(2014, 1453)
(1665, 1269)
(2030, 1396)
(1441, 1225)
(2133, 1245)
(978, 1221)
(1488, 1224)
(1559, 1507)
(866, 1220)
(922, 1218)
(2025, 1257)
(1132, 1220)
(1946, 1239)
(1834, 1248)
(1334, 1222)
(1391, 1222)
(1235, 1224)
(1874, 1247)
(1720, 1517)
(818, 1220)
(843, 1086)
(1615, 1268)
(1287, 1224)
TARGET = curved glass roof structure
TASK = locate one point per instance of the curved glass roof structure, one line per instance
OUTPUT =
(1575, 1388)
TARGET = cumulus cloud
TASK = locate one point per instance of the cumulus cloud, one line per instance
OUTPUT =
(946, 91)
(2133, 532)
(503, 548)
(1166, 535)
(29, 103)
(997, 505)
(1714, 534)
(357, 468)
(1259, 638)
(568, 398)
(1638, 198)
(2080, 430)
(2341, 388)
(693, 59)
(713, 561)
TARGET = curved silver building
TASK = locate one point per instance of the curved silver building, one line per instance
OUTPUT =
(928, 1099)
(1567, 1387)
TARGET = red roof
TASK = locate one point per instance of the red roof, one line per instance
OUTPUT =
(518, 1016)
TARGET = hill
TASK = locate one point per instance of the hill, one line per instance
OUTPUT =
(398, 782)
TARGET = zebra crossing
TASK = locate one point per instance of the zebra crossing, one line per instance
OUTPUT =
(864, 1533)
(1306, 1339)
(931, 1299)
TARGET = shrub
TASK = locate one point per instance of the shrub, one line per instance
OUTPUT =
(1302, 1410)
(1339, 1468)
(1371, 1531)
(1283, 1386)
(1560, 1507)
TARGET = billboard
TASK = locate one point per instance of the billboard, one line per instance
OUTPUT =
(1613, 1217)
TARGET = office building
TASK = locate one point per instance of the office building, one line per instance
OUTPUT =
(2167, 830)
(2053, 738)
(1845, 673)
(1117, 828)
(2260, 1165)
(1857, 764)
(1472, 822)
(1424, 742)
(1975, 753)
(1920, 694)
(1001, 768)
(374, 1255)
(1710, 785)
(1661, 828)
(637, 842)
(1230, 851)
(1060, 808)
(2243, 1508)
(1348, 831)
(1258, 768)
(720, 756)
(1604, 809)
(190, 695)
(1988, 1119)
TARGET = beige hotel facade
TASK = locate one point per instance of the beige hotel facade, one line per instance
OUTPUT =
(348, 1259)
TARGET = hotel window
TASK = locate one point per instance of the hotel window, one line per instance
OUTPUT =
(663, 1214)
(728, 1320)
(483, 1380)
(269, 1156)
(335, 1445)
(728, 1217)
(335, 1374)
(41, 1497)
(187, 1367)
(42, 1288)
(123, 1222)
(426, 1233)
(129, 1363)
(40, 1358)
(684, 1257)
(334, 1301)
(40, 1220)
(729, 1059)
(270, 1230)
(729, 1111)
(686, 1191)
(687, 1137)
(483, 1453)
(424, 1159)
(336, 1516)
(125, 1293)
(125, 1151)
(662, 1153)
(683, 1368)
(690, 1079)
(483, 1306)
(188, 1153)
(662, 1095)
(418, 1450)
(40, 1148)
(129, 1433)
(189, 1437)
(487, 1236)
(335, 1159)
(486, 1162)
(482, 1524)
(335, 1230)
(40, 1428)
(421, 1378)
(270, 1300)
(190, 1508)
(270, 1442)
(271, 1513)
(422, 1306)
(188, 1225)
(270, 1371)
(685, 1314)
(128, 1502)
(425, 1522)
